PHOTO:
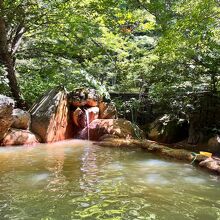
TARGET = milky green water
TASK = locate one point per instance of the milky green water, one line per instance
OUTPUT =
(74, 180)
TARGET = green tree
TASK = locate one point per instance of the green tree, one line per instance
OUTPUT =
(16, 18)
(172, 46)
(189, 50)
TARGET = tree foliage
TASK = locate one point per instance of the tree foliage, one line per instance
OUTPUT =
(173, 46)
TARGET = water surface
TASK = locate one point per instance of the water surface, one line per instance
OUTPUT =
(77, 180)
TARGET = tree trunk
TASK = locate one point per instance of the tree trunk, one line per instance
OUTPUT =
(214, 82)
(6, 59)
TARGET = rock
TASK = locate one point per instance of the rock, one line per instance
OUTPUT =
(6, 119)
(91, 102)
(120, 128)
(106, 137)
(214, 144)
(50, 117)
(76, 116)
(21, 119)
(211, 164)
(168, 129)
(150, 146)
(107, 110)
(20, 137)
(195, 136)
(84, 97)
(80, 117)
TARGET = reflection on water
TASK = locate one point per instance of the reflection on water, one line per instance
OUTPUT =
(75, 180)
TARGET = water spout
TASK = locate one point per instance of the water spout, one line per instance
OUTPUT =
(87, 122)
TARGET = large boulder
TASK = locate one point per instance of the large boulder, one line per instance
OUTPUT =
(20, 137)
(21, 119)
(6, 119)
(168, 129)
(119, 128)
(50, 116)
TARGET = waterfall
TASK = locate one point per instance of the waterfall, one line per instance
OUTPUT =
(87, 122)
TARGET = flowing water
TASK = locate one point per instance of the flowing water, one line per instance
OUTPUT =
(87, 123)
(75, 180)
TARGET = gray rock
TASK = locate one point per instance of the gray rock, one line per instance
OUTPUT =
(21, 119)
(6, 119)
(168, 129)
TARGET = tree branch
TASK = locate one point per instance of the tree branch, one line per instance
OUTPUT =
(17, 39)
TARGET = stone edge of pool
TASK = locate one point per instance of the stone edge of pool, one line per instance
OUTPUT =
(211, 164)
